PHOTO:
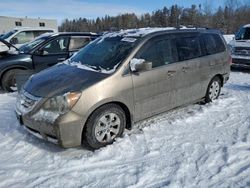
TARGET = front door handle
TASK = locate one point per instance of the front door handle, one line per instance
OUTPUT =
(171, 73)
(61, 59)
(185, 69)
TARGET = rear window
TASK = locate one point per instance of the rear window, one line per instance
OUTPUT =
(212, 44)
(77, 42)
(188, 48)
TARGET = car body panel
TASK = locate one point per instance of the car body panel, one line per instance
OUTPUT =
(31, 60)
(240, 48)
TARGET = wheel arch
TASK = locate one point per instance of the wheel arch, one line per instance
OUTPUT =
(220, 77)
(124, 107)
(11, 68)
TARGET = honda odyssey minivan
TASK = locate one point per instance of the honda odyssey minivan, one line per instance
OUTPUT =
(121, 78)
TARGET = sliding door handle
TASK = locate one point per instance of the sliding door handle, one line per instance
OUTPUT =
(171, 73)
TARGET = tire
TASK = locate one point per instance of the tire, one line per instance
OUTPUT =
(9, 81)
(103, 126)
(213, 90)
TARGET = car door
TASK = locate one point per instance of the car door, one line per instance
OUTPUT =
(214, 57)
(53, 52)
(153, 90)
(189, 86)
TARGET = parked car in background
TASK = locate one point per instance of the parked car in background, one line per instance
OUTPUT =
(240, 48)
(41, 53)
(122, 78)
(21, 36)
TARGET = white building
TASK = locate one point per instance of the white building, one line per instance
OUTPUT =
(9, 23)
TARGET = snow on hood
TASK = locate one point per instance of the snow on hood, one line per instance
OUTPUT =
(90, 68)
(239, 43)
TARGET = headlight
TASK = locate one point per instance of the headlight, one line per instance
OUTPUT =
(231, 48)
(63, 103)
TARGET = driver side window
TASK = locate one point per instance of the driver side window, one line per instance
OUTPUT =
(56, 46)
(158, 51)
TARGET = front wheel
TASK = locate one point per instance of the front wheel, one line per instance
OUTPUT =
(9, 81)
(104, 125)
(213, 90)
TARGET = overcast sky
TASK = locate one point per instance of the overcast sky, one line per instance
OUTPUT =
(61, 9)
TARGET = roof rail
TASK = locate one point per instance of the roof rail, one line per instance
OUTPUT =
(191, 27)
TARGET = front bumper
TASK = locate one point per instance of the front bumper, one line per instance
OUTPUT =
(240, 61)
(225, 78)
(65, 131)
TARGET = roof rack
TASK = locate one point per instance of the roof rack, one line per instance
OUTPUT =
(191, 27)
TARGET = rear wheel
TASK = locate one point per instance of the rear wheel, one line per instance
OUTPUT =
(9, 81)
(103, 126)
(213, 90)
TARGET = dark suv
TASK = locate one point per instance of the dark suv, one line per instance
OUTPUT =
(41, 53)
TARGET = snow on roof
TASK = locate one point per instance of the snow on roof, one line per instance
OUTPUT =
(135, 32)
(248, 25)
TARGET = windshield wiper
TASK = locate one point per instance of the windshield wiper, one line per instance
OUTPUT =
(93, 67)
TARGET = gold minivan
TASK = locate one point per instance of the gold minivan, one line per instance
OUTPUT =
(121, 78)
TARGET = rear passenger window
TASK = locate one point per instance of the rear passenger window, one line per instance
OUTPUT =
(159, 52)
(78, 42)
(188, 48)
(213, 44)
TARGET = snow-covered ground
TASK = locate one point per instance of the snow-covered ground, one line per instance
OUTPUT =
(195, 146)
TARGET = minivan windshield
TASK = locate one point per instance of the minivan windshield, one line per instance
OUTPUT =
(7, 35)
(243, 34)
(105, 53)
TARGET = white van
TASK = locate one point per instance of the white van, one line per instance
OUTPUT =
(20, 36)
(240, 47)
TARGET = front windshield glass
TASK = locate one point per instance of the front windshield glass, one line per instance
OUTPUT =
(243, 34)
(7, 35)
(105, 53)
(29, 46)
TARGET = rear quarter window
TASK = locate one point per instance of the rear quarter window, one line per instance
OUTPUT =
(213, 44)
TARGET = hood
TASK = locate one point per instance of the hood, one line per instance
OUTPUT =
(61, 79)
(14, 57)
(240, 43)
(8, 44)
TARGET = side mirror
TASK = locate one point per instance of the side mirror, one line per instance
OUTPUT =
(14, 40)
(40, 52)
(137, 65)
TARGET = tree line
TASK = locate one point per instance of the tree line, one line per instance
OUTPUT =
(227, 18)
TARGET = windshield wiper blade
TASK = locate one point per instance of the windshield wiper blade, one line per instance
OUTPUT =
(93, 67)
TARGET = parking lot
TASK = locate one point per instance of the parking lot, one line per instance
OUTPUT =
(194, 146)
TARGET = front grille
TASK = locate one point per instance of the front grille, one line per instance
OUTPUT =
(26, 102)
(244, 51)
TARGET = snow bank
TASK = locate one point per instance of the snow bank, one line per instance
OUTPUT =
(195, 146)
